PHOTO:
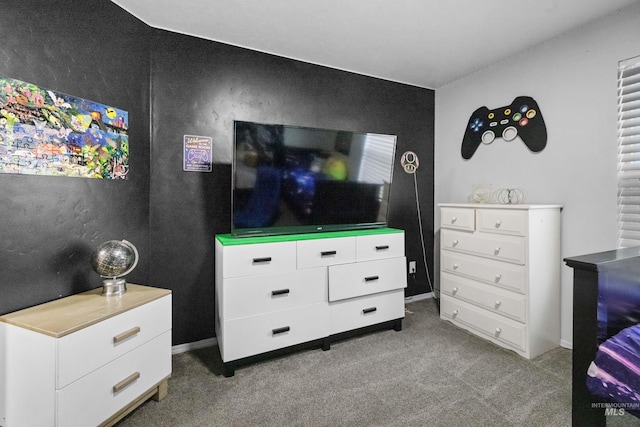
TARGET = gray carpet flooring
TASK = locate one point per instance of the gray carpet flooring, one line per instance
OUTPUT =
(429, 374)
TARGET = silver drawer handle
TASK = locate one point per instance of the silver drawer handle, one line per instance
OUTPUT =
(498, 303)
(498, 224)
(454, 243)
(498, 331)
(455, 266)
(126, 382)
(454, 290)
(453, 219)
(455, 312)
(127, 334)
(497, 250)
(498, 277)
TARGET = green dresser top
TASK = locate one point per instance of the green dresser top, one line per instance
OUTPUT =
(229, 240)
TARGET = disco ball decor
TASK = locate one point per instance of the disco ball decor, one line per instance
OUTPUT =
(113, 260)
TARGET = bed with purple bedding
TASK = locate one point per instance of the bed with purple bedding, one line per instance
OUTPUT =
(614, 375)
(606, 336)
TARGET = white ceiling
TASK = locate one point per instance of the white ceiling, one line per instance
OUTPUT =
(425, 43)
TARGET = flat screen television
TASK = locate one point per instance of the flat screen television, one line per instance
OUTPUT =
(291, 179)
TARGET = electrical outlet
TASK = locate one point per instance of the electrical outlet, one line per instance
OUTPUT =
(412, 267)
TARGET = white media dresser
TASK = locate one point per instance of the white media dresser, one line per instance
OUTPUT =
(277, 292)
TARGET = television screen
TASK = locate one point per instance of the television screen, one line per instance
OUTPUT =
(289, 179)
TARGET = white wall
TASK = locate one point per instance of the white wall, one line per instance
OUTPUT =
(573, 78)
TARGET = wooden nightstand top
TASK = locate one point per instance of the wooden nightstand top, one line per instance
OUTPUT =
(70, 314)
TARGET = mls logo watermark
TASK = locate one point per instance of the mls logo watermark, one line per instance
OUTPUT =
(613, 412)
(617, 409)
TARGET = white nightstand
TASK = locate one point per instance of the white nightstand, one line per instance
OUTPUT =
(84, 360)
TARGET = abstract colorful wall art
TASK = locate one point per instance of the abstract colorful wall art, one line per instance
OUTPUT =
(43, 132)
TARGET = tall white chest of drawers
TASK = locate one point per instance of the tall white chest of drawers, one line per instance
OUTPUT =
(276, 292)
(84, 360)
(500, 273)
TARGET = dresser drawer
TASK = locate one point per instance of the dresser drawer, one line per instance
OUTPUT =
(248, 296)
(260, 258)
(491, 325)
(502, 221)
(379, 246)
(499, 301)
(324, 252)
(92, 399)
(365, 278)
(458, 218)
(500, 247)
(266, 332)
(90, 348)
(364, 311)
(502, 274)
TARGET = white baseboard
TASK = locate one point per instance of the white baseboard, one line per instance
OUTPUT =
(418, 297)
(181, 348)
(566, 344)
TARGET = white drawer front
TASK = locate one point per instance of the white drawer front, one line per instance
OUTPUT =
(248, 296)
(502, 221)
(360, 312)
(379, 246)
(364, 278)
(247, 336)
(91, 400)
(260, 258)
(499, 301)
(92, 347)
(502, 274)
(505, 248)
(458, 218)
(495, 327)
(323, 252)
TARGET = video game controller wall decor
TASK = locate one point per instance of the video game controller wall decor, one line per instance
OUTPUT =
(521, 118)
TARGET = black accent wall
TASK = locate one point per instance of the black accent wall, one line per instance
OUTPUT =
(173, 85)
(50, 225)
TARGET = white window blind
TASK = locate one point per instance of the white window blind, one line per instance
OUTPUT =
(629, 152)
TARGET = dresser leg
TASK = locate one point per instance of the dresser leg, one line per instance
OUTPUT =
(161, 393)
(229, 370)
(398, 325)
(326, 344)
